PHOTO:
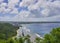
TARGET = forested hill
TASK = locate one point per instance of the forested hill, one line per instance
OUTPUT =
(7, 30)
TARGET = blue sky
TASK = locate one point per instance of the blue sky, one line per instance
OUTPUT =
(21, 9)
(30, 9)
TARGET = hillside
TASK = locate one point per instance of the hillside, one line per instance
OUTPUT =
(7, 30)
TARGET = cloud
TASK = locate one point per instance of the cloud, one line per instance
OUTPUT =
(24, 14)
(35, 8)
(45, 12)
(3, 5)
(11, 3)
(25, 3)
(1, 1)
(14, 11)
(54, 4)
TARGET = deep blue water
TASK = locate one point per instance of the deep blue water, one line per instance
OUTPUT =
(42, 28)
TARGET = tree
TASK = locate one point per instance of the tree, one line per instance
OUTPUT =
(7, 30)
(53, 36)
(38, 40)
(28, 39)
(21, 40)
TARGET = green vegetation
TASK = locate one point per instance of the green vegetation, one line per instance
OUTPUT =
(7, 31)
(20, 40)
(53, 37)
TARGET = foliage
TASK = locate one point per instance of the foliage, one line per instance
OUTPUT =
(7, 30)
(37, 40)
(53, 36)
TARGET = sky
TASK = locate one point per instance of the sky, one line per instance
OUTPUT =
(21, 9)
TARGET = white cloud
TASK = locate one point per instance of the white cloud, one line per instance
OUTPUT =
(11, 3)
(33, 7)
(5, 18)
(3, 8)
(14, 11)
(45, 12)
(56, 4)
(49, 8)
(24, 14)
(25, 3)
(3, 5)
(8, 10)
(1, 1)
(44, 8)
(39, 4)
